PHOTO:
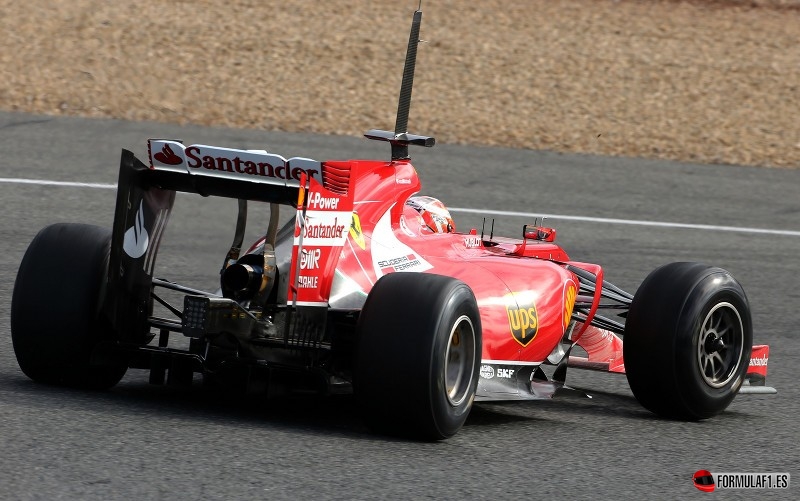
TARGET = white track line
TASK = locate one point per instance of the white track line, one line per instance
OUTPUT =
(45, 182)
(530, 215)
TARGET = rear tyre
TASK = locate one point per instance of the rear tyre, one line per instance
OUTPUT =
(419, 349)
(688, 337)
(55, 308)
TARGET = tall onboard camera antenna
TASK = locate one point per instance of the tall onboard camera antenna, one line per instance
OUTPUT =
(404, 103)
(400, 138)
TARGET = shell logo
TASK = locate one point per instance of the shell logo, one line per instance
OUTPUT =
(570, 294)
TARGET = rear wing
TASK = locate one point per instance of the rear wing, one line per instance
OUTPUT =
(146, 194)
(228, 172)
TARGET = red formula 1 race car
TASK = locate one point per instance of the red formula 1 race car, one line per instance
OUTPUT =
(369, 289)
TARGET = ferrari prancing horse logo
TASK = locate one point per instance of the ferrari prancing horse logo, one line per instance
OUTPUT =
(522, 318)
(355, 232)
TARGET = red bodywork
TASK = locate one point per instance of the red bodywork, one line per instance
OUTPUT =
(525, 294)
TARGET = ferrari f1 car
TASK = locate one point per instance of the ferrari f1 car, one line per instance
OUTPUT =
(368, 289)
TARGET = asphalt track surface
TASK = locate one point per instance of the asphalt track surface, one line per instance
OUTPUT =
(139, 441)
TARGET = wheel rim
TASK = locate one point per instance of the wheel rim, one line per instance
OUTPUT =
(719, 350)
(459, 365)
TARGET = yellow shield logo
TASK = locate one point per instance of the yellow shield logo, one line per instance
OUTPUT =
(570, 293)
(355, 232)
(523, 320)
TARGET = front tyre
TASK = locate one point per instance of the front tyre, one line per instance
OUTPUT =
(688, 338)
(419, 349)
(55, 308)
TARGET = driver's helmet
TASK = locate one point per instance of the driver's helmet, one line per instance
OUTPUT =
(433, 213)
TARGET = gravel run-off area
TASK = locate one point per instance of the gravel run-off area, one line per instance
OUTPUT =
(700, 81)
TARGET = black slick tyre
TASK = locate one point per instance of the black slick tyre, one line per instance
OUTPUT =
(55, 308)
(418, 355)
(688, 338)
